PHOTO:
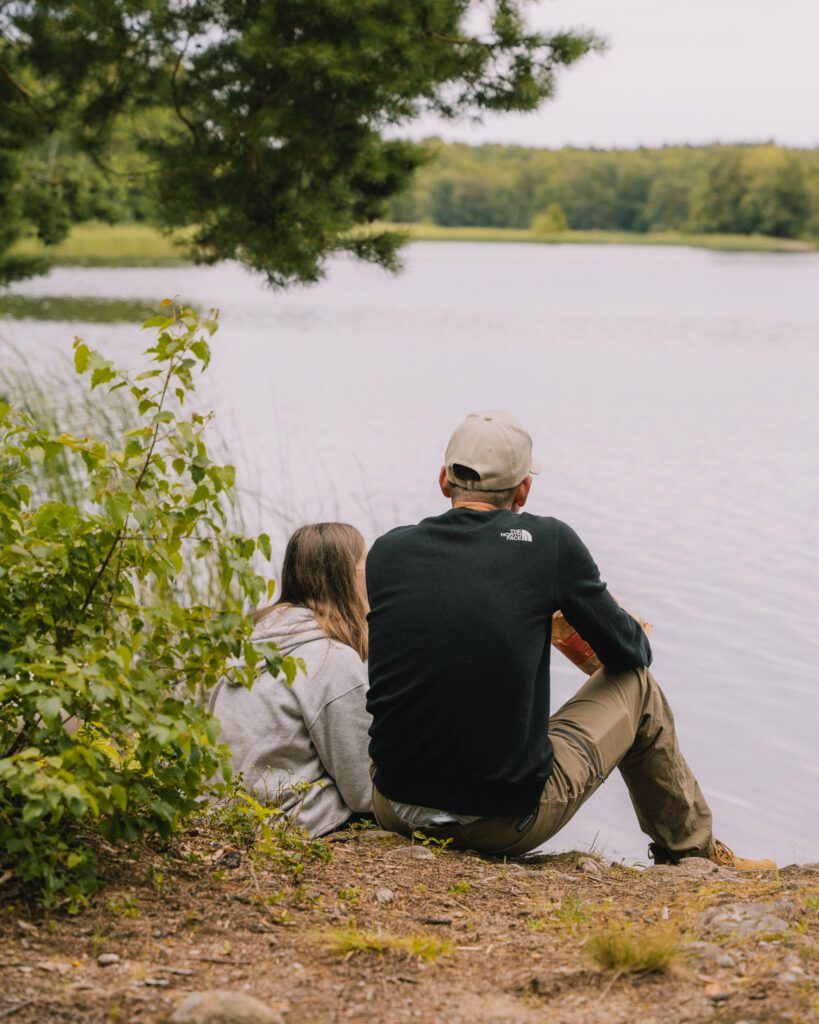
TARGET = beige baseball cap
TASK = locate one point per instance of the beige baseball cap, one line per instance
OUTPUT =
(495, 446)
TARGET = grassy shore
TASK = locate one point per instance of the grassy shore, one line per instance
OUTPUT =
(111, 245)
(726, 243)
(139, 245)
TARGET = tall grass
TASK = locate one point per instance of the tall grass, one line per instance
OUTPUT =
(61, 403)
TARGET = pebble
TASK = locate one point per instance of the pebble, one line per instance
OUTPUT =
(588, 866)
(108, 959)
(787, 978)
(717, 994)
(384, 895)
(220, 1006)
(413, 853)
(230, 859)
(724, 960)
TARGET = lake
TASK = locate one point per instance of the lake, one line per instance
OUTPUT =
(673, 396)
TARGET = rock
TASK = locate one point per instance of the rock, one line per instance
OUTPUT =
(787, 978)
(384, 895)
(717, 994)
(699, 867)
(219, 1006)
(745, 919)
(413, 853)
(107, 959)
(662, 869)
(588, 866)
(229, 859)
(711, 951)
(369, 834)
(692, 867)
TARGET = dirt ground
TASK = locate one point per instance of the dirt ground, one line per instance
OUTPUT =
(462, 939)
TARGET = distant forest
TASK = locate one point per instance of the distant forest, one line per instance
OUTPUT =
(743, 189)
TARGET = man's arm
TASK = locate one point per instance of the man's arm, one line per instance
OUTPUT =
(616, 637)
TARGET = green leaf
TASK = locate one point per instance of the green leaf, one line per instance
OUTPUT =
(81, 354)
(101, 375)
(118, 506)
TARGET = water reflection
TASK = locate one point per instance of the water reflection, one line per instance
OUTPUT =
(76, 308)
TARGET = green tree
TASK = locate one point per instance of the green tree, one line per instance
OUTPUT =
(99, 655)
(551, 221)
(277, 148)
(716, 201)
(776, 199)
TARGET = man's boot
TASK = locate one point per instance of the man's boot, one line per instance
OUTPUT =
(720, 854)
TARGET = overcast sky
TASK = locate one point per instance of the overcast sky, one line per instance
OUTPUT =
(695, 71)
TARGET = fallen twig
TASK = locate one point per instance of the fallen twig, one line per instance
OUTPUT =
(17, 1007)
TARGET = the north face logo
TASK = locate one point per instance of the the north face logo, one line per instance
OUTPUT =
(517, 535)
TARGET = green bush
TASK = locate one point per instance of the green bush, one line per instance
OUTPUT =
(551, 221)
(100, 656)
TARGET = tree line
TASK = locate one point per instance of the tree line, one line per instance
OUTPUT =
(737, 189)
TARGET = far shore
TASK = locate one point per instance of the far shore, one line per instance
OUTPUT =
(141, 245)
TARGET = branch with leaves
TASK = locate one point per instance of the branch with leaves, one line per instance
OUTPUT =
(93, 628)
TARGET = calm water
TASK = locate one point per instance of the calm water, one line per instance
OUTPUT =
(673, 397)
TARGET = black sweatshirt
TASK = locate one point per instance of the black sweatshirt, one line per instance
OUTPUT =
(460, 628)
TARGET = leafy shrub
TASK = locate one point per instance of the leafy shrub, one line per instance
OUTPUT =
(551, 221)
(279, 837)
(99, 656)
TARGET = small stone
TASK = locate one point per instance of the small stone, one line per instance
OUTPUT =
(745, 919)
(717, 994)
(156, 982)
(230, 859)
(724, 960)
(384, 895)
(414, 853)
(787, 978)
(108, 959)
(220, 1006)
(588, 866)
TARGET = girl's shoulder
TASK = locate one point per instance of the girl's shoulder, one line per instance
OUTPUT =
(340, 657)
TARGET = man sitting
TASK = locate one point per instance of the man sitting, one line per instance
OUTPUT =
(460, 628)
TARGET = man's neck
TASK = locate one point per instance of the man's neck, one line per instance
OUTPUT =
(480, 506)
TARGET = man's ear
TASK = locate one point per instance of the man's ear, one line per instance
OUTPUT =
(522, 492)
(443, 483)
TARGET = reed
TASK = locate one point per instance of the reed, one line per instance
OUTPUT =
(61, 403)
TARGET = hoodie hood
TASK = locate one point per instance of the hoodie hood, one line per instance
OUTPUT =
(288, 627)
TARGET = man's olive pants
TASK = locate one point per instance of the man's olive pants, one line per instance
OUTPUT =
(615, 720)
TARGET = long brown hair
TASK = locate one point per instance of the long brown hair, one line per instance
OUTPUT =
(318, 573)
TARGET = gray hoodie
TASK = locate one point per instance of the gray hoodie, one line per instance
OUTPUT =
(315, 731)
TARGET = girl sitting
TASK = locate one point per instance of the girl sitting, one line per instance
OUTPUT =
(304, 747)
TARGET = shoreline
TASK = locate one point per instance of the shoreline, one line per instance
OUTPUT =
(140, 245)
